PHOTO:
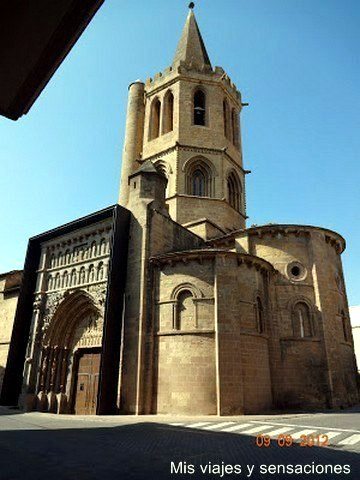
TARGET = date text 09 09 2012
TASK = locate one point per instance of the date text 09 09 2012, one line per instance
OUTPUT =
(282, 440)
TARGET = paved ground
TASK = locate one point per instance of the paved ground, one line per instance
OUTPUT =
(35, 445)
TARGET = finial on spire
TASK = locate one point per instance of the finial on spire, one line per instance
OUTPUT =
(191, 5)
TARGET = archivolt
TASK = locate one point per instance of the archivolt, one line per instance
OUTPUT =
(69, 313)
(196, 293)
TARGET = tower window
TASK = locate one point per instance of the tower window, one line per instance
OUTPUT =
(199, 108)
(301, 321)
(198, 183)
(154, 129)
(259, 316)
(235, 127)
(226, 114)
(168, 113)
(234, 191)
(199, 179)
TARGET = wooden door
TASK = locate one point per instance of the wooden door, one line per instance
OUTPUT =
(87, 383)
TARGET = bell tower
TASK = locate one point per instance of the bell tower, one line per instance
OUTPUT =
(186, 120)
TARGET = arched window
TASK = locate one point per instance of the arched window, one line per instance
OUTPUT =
(301, 321)
(235, 127)
(65, 279)
(168, 112)
(52, 261)
(85, 253)
(93, 249)
(199, 179)
(57, 281)
(199, 108)
(185, 311)
(67, 257)
(226, 116)
(344, 326)
(100, 271)
(73, 277)
(259, 315)
(154, 128)
(82, 275)
(91, 274)
(198, 183)
(102, 247)
(50, 282)
(234, 191)
(164, 170)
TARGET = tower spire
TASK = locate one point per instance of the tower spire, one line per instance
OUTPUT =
(191, 47)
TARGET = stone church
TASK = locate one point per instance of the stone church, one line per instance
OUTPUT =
(166, 302)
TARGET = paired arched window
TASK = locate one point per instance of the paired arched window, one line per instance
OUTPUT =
(302, 320)
(199, 108)
(155, 119)
(234, 191)
(168, 112)
(226, 117)
(260, 323)
(185, 311)
(199, 180)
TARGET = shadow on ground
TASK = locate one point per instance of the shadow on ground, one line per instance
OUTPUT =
(146, 450)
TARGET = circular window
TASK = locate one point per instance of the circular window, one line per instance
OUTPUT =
(296, 271)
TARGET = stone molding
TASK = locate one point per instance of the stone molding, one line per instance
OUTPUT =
(331, 237)
(196, 149)
(210, 254)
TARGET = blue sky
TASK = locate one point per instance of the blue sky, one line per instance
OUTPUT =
(295, 62)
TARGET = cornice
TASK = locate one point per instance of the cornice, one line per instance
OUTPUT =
(200, 256)
(331, 237)
(197, 149)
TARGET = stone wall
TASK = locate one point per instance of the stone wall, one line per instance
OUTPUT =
(152, 232)
(9, 293)
(244, 369)
(220, 343)
(185, 339)
(185, 208)
(315, 369)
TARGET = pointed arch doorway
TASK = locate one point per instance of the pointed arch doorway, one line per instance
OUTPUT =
(71, 357)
